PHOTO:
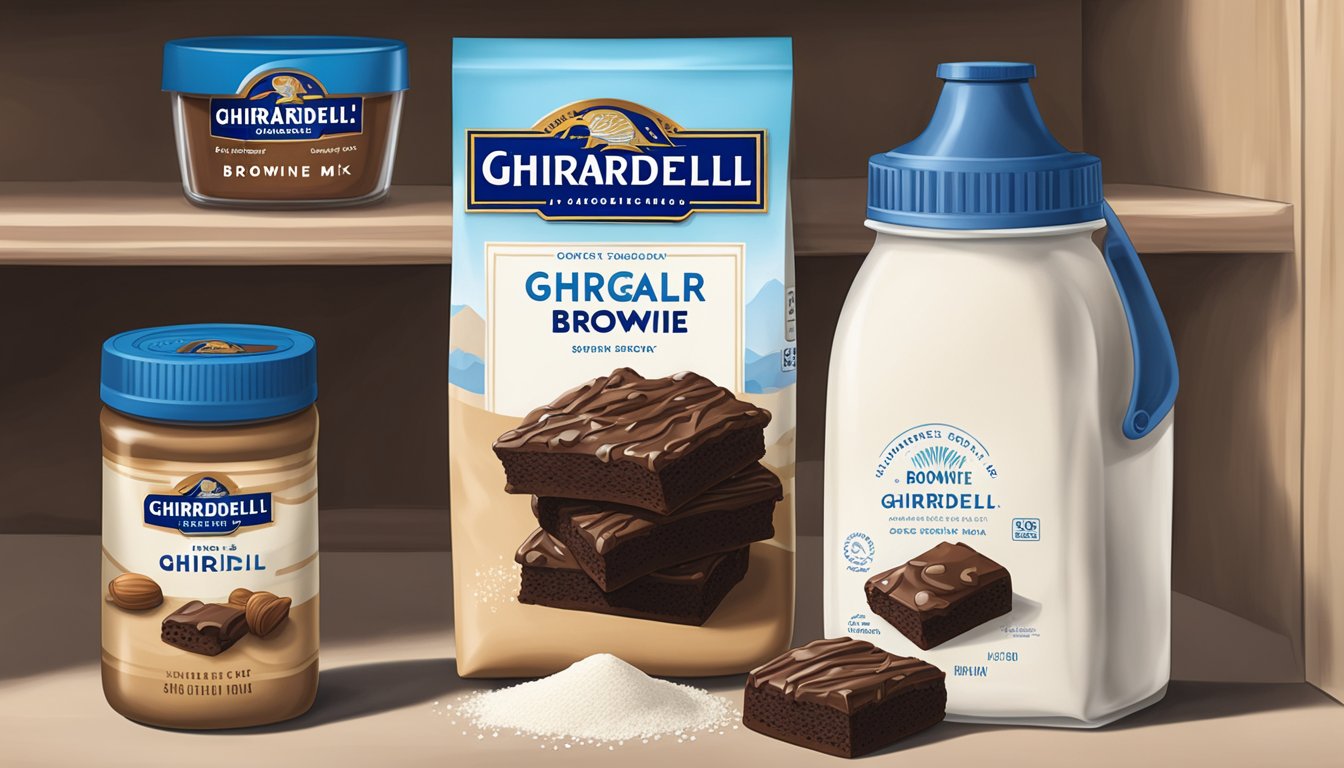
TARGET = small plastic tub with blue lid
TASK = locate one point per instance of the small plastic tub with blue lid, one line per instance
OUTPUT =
(210, 525)
(285, 121)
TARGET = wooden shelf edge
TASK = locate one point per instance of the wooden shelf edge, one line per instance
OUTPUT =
(112, 224)
(141, 223)
(1175, 220)
(828, 217)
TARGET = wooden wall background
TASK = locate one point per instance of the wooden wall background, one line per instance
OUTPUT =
(1206, 94)
(863, 70)
(1323, 236)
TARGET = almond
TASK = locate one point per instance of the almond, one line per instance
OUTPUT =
(134, 592)
(265, 612)
(239, 597)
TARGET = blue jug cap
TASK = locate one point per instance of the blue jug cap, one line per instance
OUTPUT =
(986, 71)
(985, 161)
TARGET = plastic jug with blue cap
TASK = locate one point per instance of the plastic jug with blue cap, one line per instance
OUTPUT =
(998, 480)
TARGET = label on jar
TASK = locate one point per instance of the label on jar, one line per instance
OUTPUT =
(284, 138)
(210, 577)
(285, 106)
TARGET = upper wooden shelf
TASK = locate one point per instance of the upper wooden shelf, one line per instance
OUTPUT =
(827, 219)
(114, 223)
(1173, 220)
(110, 223)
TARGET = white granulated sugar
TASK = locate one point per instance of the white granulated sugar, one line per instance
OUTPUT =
(497, 584)
(600, 699)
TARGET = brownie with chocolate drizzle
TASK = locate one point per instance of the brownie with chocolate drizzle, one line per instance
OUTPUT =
(844, 697)
(941, 593)
(649, 443)
(686, 593)
(617, 544)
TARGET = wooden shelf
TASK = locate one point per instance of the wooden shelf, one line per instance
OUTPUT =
(1173, 220)
(828, 212)
(106, 223)
(151, 223)
(387, 661)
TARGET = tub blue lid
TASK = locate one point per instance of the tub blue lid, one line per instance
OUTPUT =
(209, 373)
(985, 161)
(226, 65)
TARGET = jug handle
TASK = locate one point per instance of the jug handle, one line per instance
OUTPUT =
(1156, 378)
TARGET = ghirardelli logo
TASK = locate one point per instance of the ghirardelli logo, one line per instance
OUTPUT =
(204, 488)
(285, 106)
(207, 505)
(221, 347)
(936, 467)
(608, 128)
(935, 456)
(288, 89)
(610, 159)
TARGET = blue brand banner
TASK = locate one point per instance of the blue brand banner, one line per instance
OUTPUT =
(613, 160)
(207, 508)
(285, 106)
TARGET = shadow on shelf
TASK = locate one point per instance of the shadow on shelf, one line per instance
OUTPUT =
(1185, 701)
(362, 690)
(1188, 701)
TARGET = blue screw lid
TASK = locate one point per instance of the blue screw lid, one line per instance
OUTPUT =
(209, 373)
(985, 161)
(226, 65)
(986, 71)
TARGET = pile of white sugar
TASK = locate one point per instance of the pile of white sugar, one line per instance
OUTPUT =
(600, 699)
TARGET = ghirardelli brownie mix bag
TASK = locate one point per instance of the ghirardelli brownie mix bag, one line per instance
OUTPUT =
(623, 354)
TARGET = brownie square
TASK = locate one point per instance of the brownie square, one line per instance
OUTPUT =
(617, 544)
(941, 594)
(205, 628)
(649, 443)
(844, 697)
(682, 594)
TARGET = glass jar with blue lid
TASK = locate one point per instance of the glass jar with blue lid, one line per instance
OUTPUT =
(285, 121)
(210, 525)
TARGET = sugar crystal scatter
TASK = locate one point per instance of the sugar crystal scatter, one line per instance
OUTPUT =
(600, 700)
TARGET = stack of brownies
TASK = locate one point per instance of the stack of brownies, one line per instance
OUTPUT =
(647, 493)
